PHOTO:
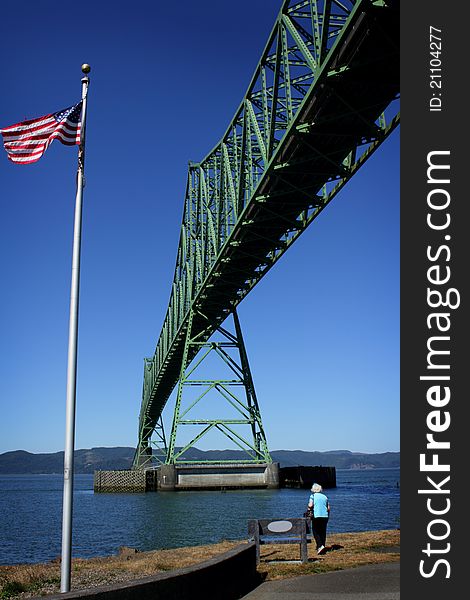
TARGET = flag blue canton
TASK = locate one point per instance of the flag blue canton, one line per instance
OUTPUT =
(72, 114)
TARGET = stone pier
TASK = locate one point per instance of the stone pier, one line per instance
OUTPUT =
(190, 477)
(220, 476)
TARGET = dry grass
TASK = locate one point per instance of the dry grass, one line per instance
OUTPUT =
(25, 581)
(343, 551)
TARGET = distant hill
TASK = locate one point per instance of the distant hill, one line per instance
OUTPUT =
(86, 461)
(93, 459)
(341, 459)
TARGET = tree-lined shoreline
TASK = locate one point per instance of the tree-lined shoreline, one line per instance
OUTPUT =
(21, 462)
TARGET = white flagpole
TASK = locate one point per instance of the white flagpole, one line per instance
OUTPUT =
(66, 559)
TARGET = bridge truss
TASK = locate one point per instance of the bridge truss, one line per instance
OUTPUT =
(324, 96)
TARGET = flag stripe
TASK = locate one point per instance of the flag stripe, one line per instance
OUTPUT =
(27, 124)
(65, 135)
(30, 131)
(27, 141)
(37, 131)
(48, 125)
(68, 129)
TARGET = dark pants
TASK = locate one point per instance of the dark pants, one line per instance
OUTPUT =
(319, 530)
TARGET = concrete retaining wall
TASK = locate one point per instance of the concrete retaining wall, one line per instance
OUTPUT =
(228, 576)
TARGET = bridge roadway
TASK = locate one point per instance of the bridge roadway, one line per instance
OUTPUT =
(304, 148)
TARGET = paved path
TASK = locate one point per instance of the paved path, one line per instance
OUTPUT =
(371, 582)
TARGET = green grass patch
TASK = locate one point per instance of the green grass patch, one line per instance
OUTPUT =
(12, 589)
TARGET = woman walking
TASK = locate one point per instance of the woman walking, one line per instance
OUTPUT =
(320, 506)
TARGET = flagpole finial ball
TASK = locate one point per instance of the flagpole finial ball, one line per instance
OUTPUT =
(86, 68)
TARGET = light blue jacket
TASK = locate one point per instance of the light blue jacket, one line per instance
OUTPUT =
(320, 504)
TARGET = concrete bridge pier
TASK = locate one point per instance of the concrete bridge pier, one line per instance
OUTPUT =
(213, 477)
(272, 475)
(166, 478)
(217, 476)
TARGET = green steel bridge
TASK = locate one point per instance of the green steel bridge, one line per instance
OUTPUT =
(324, 96)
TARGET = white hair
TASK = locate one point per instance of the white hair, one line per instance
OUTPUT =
(316, 487)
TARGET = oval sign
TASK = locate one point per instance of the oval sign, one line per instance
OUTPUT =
(280, 526)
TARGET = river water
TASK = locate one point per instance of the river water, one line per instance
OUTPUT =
(31, 514)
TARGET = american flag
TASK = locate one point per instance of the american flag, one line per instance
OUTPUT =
(26, 142)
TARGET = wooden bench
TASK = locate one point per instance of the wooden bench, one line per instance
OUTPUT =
(279, 531)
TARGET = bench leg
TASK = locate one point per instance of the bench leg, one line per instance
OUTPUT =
(303, 550)
(258, 557)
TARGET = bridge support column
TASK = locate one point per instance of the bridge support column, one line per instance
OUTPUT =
(166, 478)
(272, 475)
(231, 395)
(143, 457)
(149, 451)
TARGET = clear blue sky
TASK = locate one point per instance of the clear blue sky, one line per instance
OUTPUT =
(322, 329)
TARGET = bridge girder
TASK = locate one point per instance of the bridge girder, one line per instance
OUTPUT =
(323, 98)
